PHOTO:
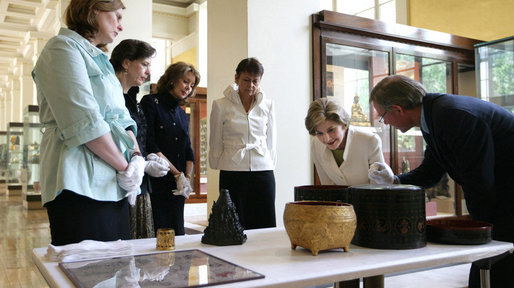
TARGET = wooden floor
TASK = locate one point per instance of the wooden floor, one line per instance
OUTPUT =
(21, 230)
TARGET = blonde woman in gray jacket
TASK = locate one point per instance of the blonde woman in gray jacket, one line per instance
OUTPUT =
(243, 146)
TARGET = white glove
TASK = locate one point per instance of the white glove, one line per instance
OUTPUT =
(132, 196)
(380, 173)
(155, 157)
(139, 164)
(127, 179)
(156, 166)
(184, 192)
(187, 188)
(130, 179)
(183, 186)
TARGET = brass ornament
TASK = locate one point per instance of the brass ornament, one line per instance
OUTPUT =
(320, 225)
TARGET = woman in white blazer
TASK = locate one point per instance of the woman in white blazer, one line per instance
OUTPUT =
(242, 146)
(342, 153)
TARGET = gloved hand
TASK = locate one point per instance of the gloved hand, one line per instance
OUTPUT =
(380, 173)
(155, 157)
(187, 188)
(129, 184)
(156, 166)
(127, 179)
(183, 186)
(130, 179)
(132, 196)
(139, 165)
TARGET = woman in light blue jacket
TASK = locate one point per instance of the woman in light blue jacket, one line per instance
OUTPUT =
(88, 139)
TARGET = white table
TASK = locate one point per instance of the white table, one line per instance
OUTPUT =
(268, 251)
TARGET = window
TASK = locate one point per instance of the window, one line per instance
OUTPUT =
(162, 58)
(384, 10)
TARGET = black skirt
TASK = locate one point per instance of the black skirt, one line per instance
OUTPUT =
(74, 218)
(253, 194)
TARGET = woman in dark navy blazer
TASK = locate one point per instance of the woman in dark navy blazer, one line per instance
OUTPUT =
(168, 137)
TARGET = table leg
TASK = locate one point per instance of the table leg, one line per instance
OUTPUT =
(484, 278)
(374, 281)
(348, 284)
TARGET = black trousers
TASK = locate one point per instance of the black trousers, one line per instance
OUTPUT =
(253, 194)
(74, 218)
(501, 274)
(168, 210)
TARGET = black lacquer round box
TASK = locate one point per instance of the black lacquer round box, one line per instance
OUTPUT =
(389, 216)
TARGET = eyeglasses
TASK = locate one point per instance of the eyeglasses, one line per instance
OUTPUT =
(381, 120)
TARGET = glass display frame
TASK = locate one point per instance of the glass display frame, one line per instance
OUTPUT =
(186, 268)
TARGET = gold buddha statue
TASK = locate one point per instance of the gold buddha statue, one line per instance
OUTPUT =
(358, 116)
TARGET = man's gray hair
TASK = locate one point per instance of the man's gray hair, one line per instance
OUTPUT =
(398, 90)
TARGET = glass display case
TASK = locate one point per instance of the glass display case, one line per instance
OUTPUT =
(495, 72)
(14, 157)
(4, 149)
(30, 166)
(352, 54)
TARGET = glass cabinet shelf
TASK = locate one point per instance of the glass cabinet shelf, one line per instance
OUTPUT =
(30, 168)
(4, 149)
(32, 140)
(495, 72)
(14, 157)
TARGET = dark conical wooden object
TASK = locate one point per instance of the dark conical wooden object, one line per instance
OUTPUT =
(224, 227)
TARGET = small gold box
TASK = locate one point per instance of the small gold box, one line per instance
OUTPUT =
(165, 239)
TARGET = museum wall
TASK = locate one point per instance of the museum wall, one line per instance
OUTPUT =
(281, 39)
(479, 19)
(188, 56)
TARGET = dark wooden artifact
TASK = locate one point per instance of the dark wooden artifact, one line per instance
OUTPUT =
(389, 216)
(455, 230)
(224, 227)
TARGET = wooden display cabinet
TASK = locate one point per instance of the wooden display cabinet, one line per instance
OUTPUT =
(352, 54)
(196, 108)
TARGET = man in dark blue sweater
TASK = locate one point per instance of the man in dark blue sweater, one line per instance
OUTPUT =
(470, 139)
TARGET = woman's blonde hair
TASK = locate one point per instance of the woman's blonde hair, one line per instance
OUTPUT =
(323, 109)
(173, 74)
(81, 17)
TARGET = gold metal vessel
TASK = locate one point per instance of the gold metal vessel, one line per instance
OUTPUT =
(165, 239)
(320, 225)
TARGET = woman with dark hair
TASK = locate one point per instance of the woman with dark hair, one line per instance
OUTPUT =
(90, 155)
(243, 146)
(131, 60)
(168, 137)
